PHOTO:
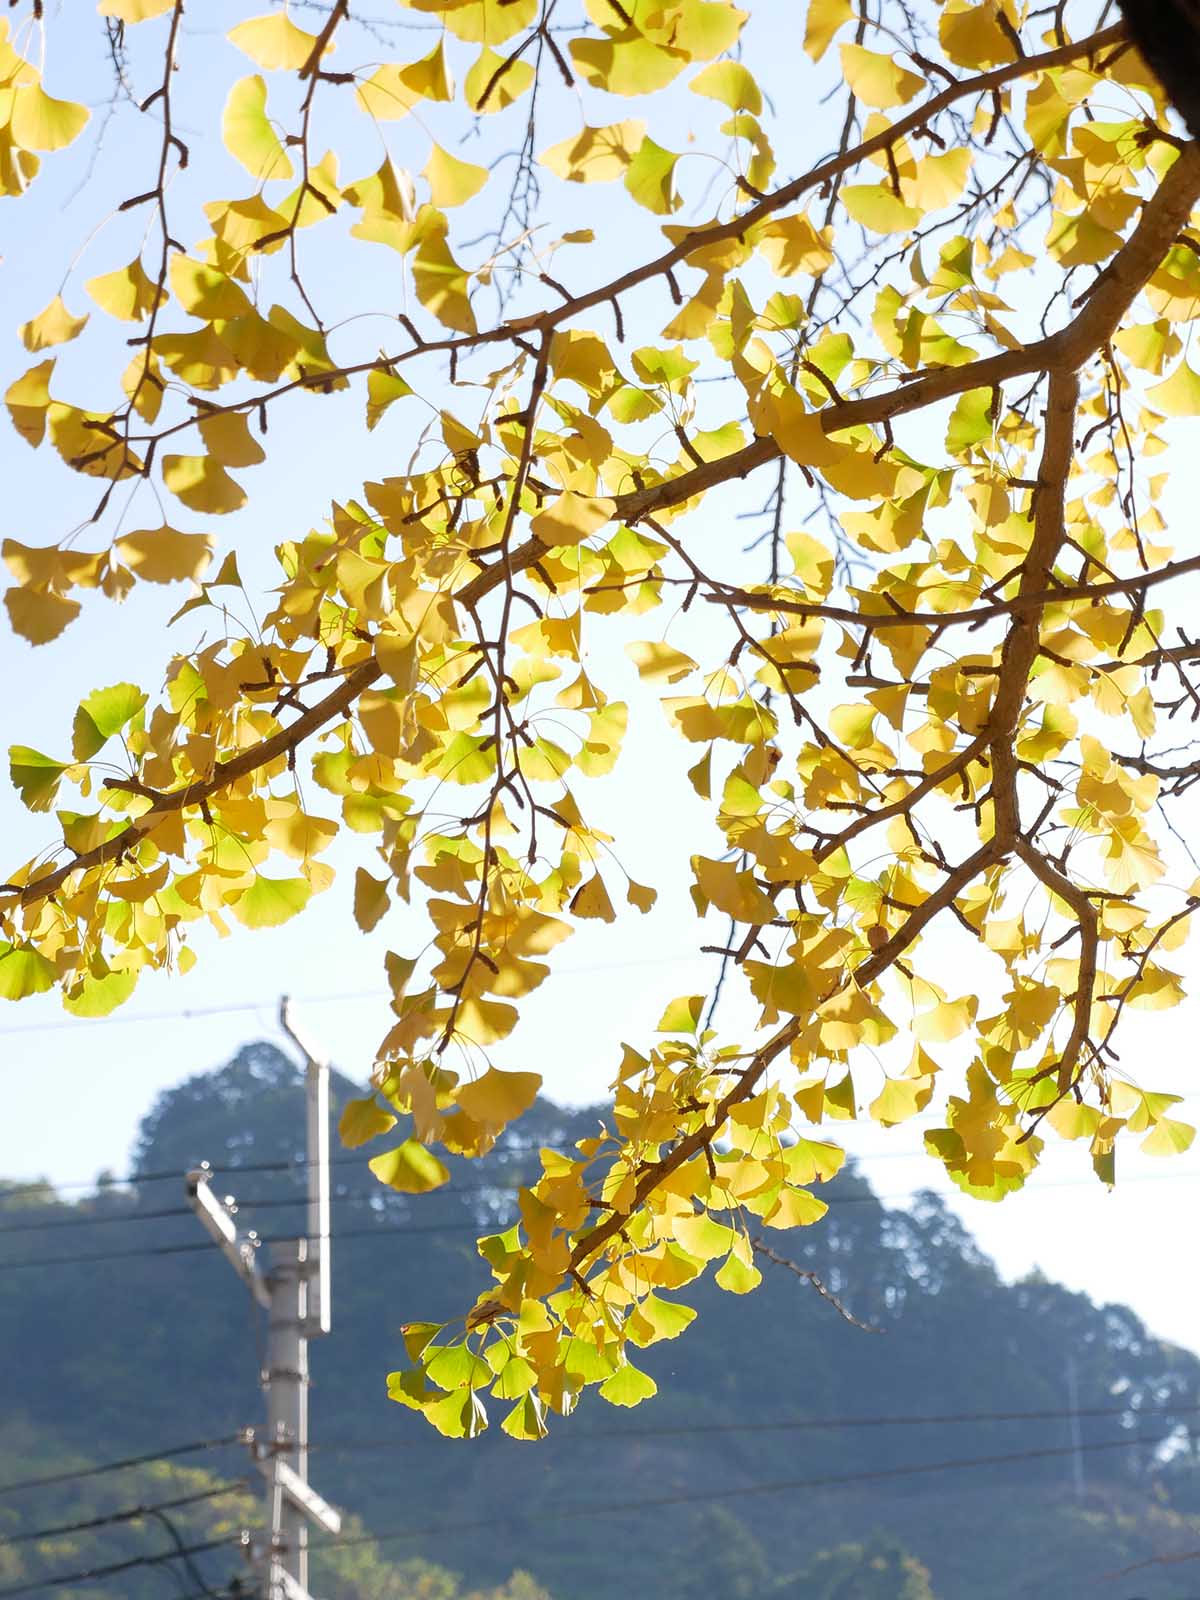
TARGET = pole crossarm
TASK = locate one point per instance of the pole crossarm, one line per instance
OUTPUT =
(240, 1250)
(300, 1493)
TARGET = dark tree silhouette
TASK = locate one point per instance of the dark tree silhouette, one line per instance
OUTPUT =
(1168, 34)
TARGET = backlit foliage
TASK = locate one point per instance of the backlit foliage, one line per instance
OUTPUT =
(931, 696)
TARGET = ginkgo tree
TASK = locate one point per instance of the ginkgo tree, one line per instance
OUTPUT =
(940, 694)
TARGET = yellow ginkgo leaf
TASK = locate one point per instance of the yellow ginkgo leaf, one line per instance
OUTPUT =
(228, 439)
(650, 178)
(39, 122)
(452, 182)
(28, 399)
(269, 902)
(595, 155)
(409, 1169)
(89, 442)
(129, 293)
(498, 1098)
(441, 284)
(39, 615)
(658, 661)
(572, 518)
(361, 1121)
(274, 42)
(54, 325)
(592, 900)
(878, 80)
(249, 136)
(824, 19)
(206, 292)
(202, 484)
(134, 10)
(732, 84)
(393, 90)
(164, 555)
(486, 88)
(1178, 395)
(877, 208)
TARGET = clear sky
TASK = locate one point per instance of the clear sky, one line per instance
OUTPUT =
(74, 1091)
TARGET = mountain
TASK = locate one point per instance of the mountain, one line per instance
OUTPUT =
(770, 1466)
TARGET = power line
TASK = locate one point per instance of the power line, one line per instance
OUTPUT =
(784, 1424)
(144, 1252)
(835, 1202)
(827, 1481)
(92, 1574)
(295, 1164)
(117, 1466)
(235, 1590)
(129, 1514)
(181, 1550)
(360, 1197)
(241, 1592)
(266, 1202)
(345, 997)
(806, 1424)
(574, 1513)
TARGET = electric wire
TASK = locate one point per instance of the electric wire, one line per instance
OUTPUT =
(128, 1514)
(94, 1574)
(802, 1424)
(383, 1230)
(666, 1430)
(746, 1491)
(296, 1164)
(185, 1556)
(345, 997)
(226, 1592)
(148, 1458)
(274, 1202)
(613, 1508)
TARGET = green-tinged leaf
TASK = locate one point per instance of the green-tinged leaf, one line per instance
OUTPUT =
(682, 1015)
(363, 1120)
(248, 134)
(382, 389)
(732, 84)
(452, 182)
(34, 776)
(271, 901)
(104, 713)
(23, 971)
(100, 996)
(736, 1276)
(410, 1168)
(627, 1387)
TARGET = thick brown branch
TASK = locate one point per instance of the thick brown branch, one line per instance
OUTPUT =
(1058, 883)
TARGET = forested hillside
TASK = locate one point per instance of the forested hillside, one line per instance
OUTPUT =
(774, 1464)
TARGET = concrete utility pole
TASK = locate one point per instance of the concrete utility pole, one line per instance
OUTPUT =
(1076, 1436)
(296, 1294)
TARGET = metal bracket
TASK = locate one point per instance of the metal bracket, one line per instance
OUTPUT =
(302, 1495)
(240, 1250)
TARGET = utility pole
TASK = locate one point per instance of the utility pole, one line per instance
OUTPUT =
(296, 1294)
(1076, 1437)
